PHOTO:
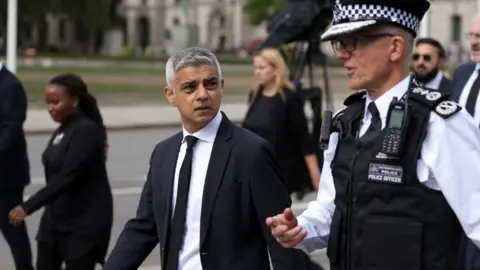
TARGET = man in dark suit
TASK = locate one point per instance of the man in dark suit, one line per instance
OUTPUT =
(14, 165)
(209, 187)
(464, 90)
(428, 60)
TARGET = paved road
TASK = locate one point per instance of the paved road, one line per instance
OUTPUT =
(128, 163)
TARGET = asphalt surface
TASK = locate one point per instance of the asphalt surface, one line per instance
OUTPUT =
(127, 165)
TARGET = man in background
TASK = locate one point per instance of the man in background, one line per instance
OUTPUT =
(465, 88)
(466, 82)
(428, 60)
(14, 165)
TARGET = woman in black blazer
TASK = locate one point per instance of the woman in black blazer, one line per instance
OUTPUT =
(276, 114)
(76, 224)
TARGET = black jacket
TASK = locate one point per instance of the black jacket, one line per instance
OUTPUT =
(14, 165)
(243, 187)
(283, 124)
(77, 198)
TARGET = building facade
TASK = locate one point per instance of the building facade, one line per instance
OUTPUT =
(160, 26)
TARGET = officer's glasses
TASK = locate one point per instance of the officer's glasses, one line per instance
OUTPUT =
(349, 44)
(417, 56)
(471, 35)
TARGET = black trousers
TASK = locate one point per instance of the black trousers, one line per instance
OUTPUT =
(50, 257)
(16, 237)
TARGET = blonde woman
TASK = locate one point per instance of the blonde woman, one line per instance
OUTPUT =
(276, 114)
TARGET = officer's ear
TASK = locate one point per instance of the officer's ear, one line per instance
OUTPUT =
(397, 48)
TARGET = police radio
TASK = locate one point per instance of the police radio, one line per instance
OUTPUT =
(396, 128)
(326, 129)
(330, 125)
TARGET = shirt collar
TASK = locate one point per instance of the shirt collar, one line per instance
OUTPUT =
(208, 132)
(435, 82)
(383, 102)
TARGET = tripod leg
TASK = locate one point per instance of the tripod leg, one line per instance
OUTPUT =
(326, 79)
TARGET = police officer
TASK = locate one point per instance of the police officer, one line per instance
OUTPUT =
(401, 170)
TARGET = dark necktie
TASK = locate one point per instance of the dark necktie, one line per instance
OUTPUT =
(177, 227)
(375, 122)
(473, 95)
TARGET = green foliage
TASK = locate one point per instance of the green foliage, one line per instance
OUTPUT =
(259, 11)
(28, 10)
(93, 13)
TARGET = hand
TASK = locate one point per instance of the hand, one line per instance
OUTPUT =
(17, 215)
(285, 229)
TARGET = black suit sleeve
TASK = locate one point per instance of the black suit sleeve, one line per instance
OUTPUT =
(297, 122)
(13, 110)
(139, 236)
(82, 145)
(270, 197)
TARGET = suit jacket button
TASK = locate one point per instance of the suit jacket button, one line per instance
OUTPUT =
(204, 253)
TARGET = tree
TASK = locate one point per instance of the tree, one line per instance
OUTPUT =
(95, 13)
(259, 11)
(29, 13)
(92, 16)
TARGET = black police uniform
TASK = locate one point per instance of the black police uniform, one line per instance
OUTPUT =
(399, 223)
(384, 218)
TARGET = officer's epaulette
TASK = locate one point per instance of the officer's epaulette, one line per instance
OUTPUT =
(355, 97)
(435, 100)
(447, 108)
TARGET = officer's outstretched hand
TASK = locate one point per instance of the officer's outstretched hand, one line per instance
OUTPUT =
(285, 229)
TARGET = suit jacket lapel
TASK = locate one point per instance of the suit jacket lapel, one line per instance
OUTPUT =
(457, 91)
(216, 167)
(167, 174)
(444, 85)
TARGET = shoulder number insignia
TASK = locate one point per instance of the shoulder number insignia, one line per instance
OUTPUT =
(447, 108)
(432, 96)
(428, 97)
(429, 94)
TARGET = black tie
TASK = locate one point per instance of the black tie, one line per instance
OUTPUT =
(177, 227)
(473, 95)
(375, 122)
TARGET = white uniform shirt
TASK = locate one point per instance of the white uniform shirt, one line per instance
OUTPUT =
(435, 82)
(449, 162)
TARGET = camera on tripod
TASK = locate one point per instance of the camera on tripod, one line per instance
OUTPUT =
(300, 20)
(300, 25)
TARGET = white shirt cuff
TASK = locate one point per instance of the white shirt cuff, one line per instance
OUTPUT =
(312, 241)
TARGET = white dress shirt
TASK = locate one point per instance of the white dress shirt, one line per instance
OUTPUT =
(189, 256)
(449, 162)
(435, 82)
(466, 91)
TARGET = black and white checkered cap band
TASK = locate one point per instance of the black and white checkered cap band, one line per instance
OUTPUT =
(349, 18)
